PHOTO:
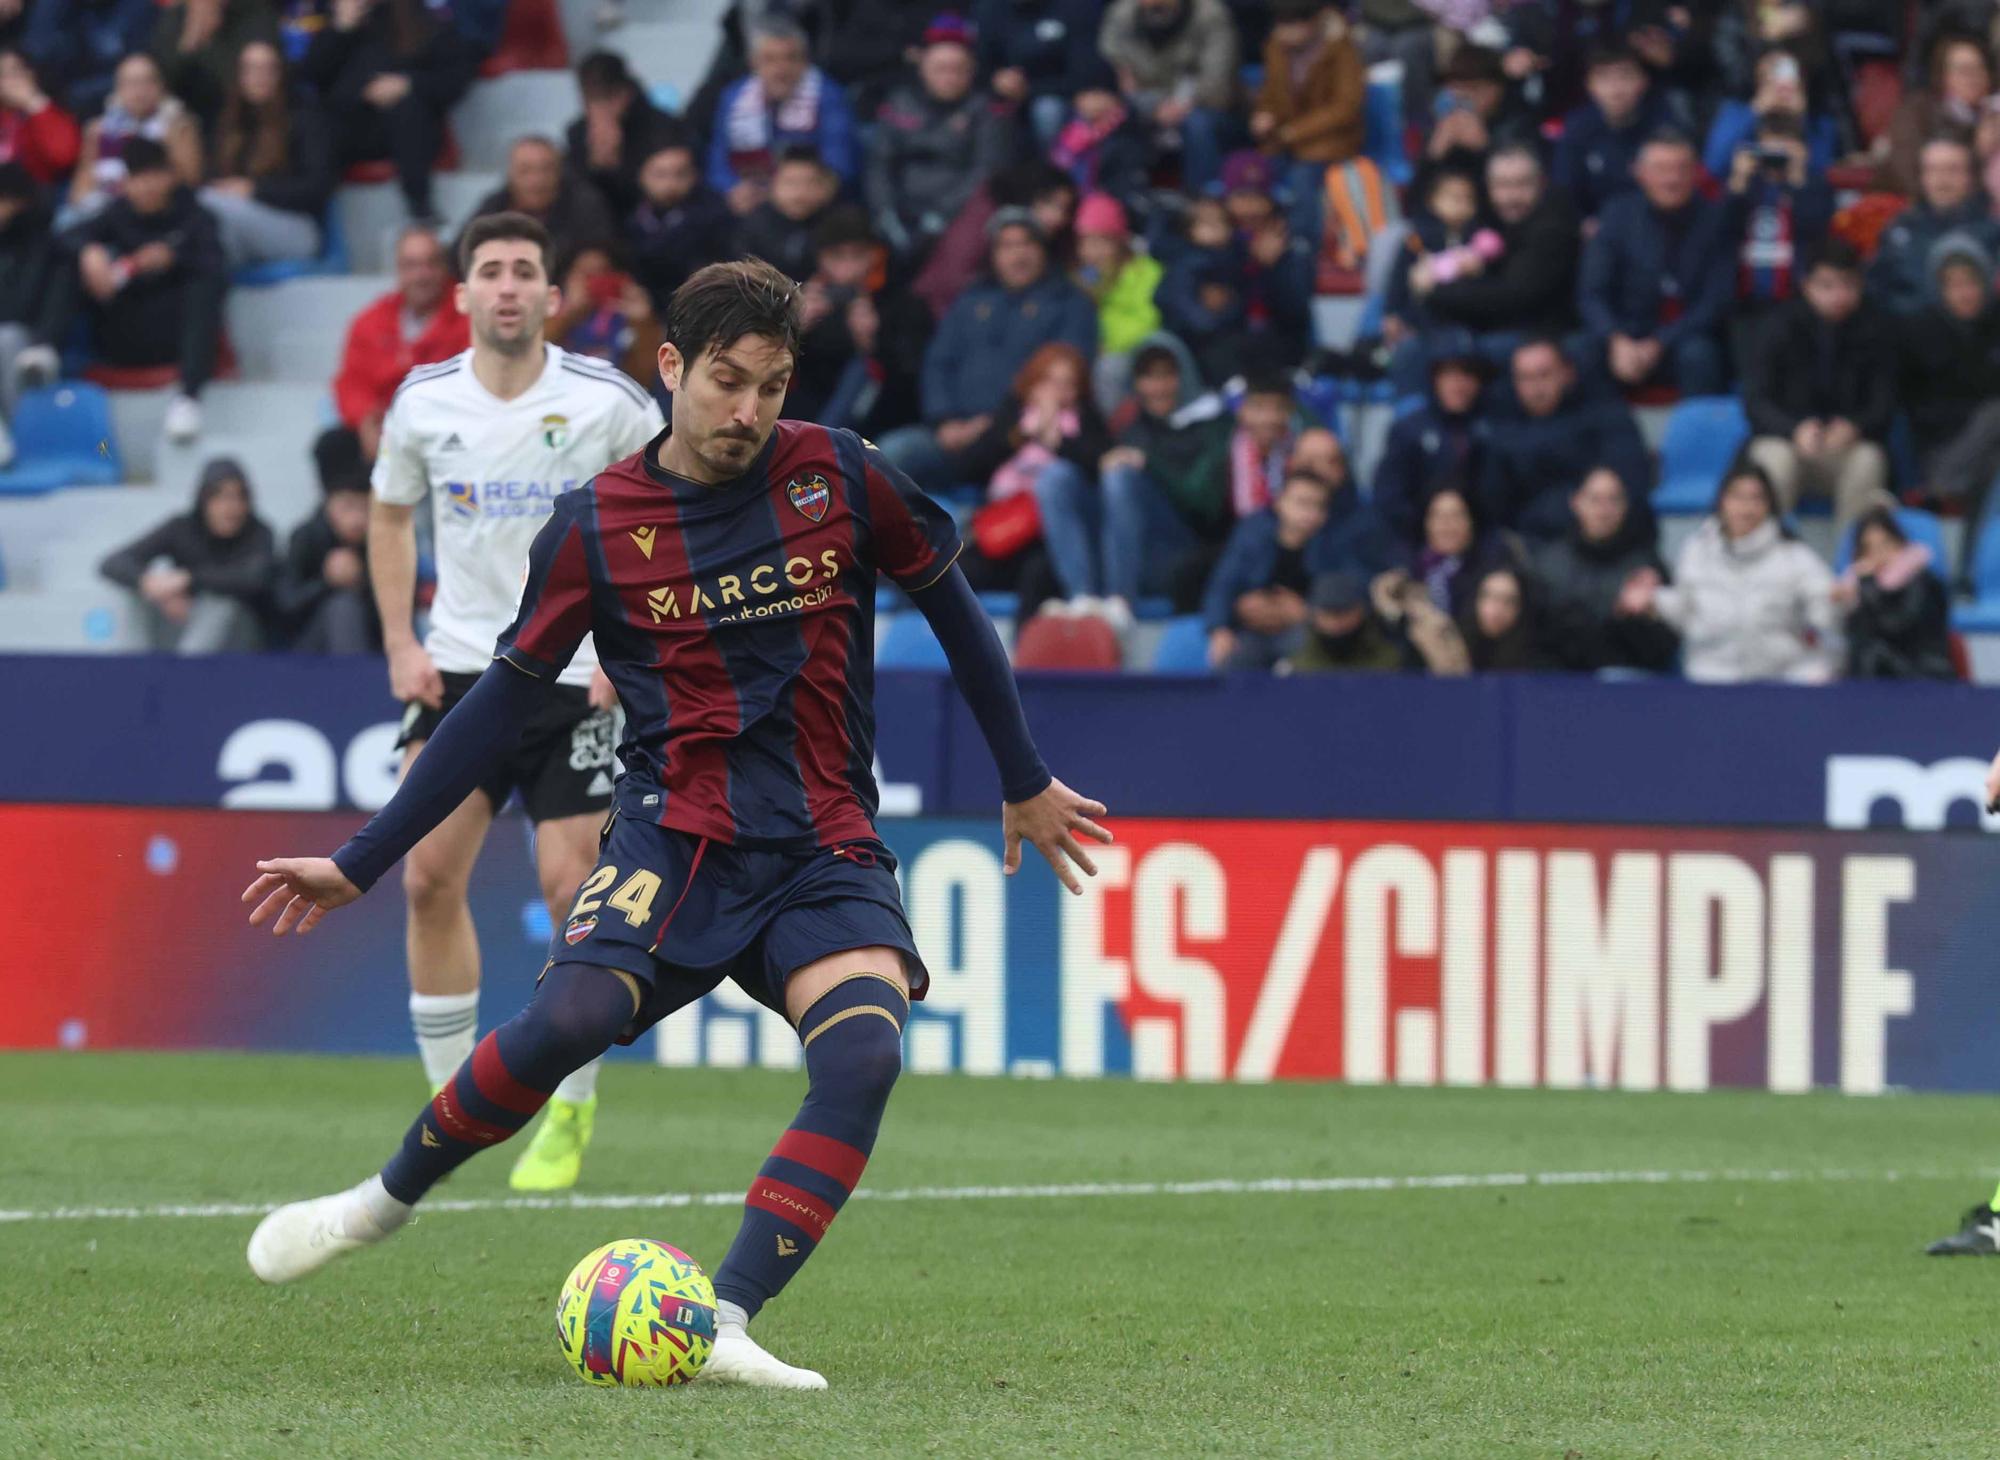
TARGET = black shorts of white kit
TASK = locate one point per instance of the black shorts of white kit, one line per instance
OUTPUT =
(564, 764)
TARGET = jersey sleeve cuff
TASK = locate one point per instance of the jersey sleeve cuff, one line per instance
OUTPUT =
(528, 664)
(1028, 787)
(934, 574)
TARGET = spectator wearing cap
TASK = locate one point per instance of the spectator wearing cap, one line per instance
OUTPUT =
(1489, 305)
(1166, 498)
(1601, 138)
(780, 229)
(1551, 435)
(983, 341)
(387, 75)
(322, 597)
(935, 144)
(270, 163)
(1122, 282)
(864, 335)
(204, 577)
(1658, 275)
(35, 133)
(416, 323)
(1255, 607)
(152, 271)
(1442, 443)
(539, 185)
(139, 107)
(1821, 391)
(1036, 55)
(1309, 108)
(79, 43)
(784, 101)
(1948, 201)
(1177, 64)
(32, 291)
(1950, 373)
(619, 129)
(1239, 305)
(679, 223)
(1103, 144)
(1583, 575)
(197, 43)
(1342, 636)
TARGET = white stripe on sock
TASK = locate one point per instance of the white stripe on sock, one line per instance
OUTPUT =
(447, 1027)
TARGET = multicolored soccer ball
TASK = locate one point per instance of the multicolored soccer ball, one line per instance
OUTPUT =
(636, 1312)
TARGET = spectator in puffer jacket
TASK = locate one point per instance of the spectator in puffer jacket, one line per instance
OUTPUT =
(1442, 443)
(204, 578)
(982, 343)
(1166, 483)
(1948, 201)
(681, 223)
(1583, 575)
(1552, 435)
(935, 144)
(1821, 391)
(1177, 65)
(1658, 275)
(1750, 601)
(1601, 139)
(1255, 607)
(1035, 54)
(34, 131)
(1898, 613)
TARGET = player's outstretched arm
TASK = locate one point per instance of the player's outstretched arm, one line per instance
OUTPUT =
(468, 745)
(1993, 785)
(1040, 810)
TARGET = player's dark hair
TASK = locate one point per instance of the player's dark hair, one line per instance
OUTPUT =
(722, 303)
(500, 228)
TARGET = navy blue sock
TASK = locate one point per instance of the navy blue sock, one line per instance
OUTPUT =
(573, 1018)
(853, 1039)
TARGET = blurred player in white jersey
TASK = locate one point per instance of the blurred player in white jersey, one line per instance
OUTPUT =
(493, 435)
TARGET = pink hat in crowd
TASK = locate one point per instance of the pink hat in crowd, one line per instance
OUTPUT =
(1101, 213)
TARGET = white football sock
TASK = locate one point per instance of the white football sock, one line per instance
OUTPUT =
(579, 1085)
(382, 1209)
(726, 1312)
(447, 1026)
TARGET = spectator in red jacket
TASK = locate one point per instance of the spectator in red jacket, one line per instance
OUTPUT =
(415, 324)
(34, 131)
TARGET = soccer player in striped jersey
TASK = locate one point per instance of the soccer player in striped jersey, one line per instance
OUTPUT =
(495, 436)
(728, 574)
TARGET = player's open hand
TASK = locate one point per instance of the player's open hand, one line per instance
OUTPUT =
(298, 891)
(1051, 823)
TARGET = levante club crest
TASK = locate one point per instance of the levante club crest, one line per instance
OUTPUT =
(810, 496)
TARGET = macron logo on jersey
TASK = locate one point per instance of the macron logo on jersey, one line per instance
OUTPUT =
(470, 500)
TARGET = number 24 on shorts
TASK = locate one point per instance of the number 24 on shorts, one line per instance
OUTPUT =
(634, 896)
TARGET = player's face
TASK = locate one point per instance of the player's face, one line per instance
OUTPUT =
(508, 297)
(727, 402)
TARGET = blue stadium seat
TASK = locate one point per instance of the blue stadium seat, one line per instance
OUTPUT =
(1918, 526)
(1153, 609)
(1382, 115)
(1001, 605)
(1703, 435)
(332, 258)
(908, 643)
(1982, 615)
(666, 96)
(1183, 647)
(62, 438)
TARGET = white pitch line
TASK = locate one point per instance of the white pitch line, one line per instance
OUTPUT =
(1266, 1186)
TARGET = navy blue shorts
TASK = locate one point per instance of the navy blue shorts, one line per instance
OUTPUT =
(681, 913)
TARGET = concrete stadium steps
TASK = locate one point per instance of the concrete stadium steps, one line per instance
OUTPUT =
(519, 104)
(279, 464)
(136, 420)
(95, 618)
(670, 41)
(294, 331)
(372, 214)
(56, 541)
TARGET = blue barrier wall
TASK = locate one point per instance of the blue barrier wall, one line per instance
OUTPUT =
(297, 734)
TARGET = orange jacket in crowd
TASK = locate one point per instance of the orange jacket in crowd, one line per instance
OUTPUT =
(1321, 121)
(378, 357)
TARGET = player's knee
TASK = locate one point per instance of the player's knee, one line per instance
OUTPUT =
(432, 890)
(579, 1011)
(865, 1061)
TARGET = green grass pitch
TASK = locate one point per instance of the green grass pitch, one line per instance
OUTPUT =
(1734, 1316)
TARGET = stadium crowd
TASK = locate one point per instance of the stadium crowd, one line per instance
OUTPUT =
(1061, 260)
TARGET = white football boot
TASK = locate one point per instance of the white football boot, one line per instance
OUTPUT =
(738, 1359)
(307, 1235)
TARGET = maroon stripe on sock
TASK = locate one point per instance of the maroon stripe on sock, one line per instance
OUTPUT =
(823, 1154)
(799, 1207)
(454, 1122)
(489, 1073)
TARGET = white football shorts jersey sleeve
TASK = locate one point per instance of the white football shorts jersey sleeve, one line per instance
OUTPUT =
(493, 470)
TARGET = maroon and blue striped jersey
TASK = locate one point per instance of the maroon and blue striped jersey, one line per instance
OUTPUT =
(737, 622)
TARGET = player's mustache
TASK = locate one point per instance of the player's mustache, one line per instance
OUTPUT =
(737, 435)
